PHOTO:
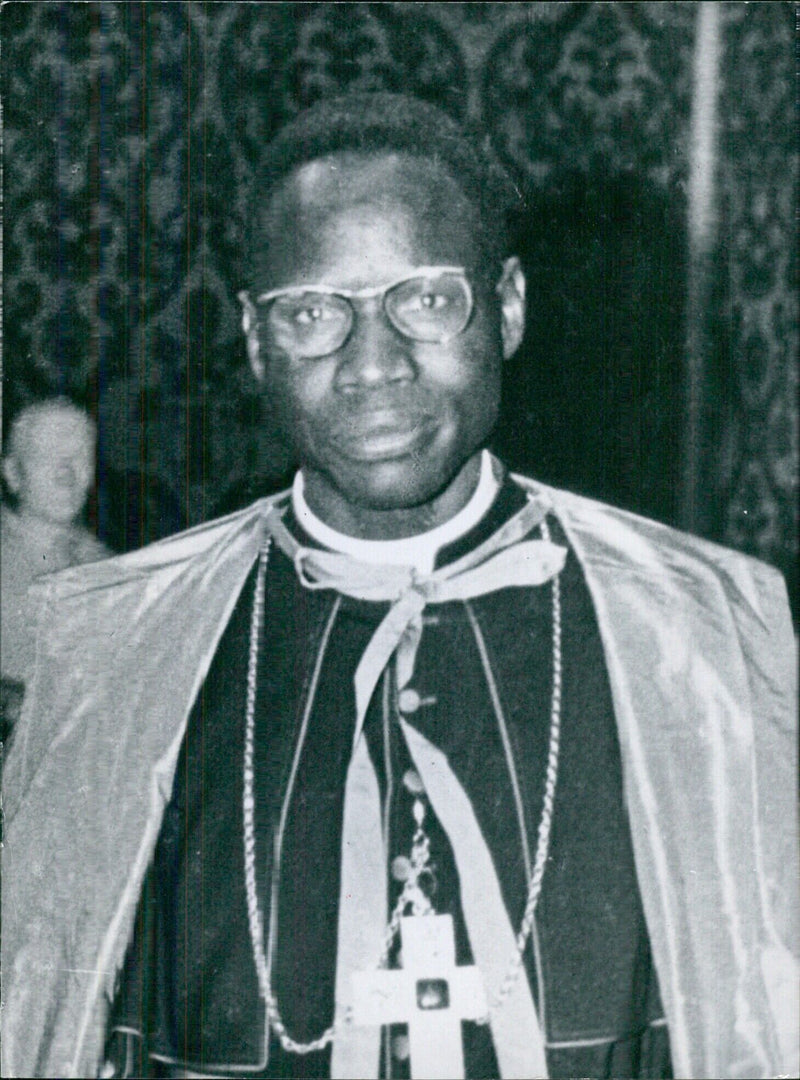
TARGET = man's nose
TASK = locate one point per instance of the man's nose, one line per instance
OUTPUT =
(67, 472)
(374, 353)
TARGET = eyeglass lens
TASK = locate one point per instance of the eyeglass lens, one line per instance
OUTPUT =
(423, 308)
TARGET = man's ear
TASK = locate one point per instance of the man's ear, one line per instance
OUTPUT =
(249, 320)
(511, 290)
(10, 467)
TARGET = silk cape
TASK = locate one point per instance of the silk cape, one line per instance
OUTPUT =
(700, 654)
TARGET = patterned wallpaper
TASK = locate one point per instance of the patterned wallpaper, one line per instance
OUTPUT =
(131, 129)
(759, 173)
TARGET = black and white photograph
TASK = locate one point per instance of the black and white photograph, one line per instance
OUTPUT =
(399, 607)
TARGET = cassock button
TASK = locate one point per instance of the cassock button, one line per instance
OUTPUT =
(401, 868)
(412, 782)
(401, 1048)
(408, 700)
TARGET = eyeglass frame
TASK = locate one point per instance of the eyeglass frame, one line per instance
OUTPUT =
(369, 293)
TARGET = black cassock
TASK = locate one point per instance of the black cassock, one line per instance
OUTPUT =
(189, 986)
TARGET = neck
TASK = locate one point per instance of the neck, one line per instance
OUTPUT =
(45, 534)
(331, 507)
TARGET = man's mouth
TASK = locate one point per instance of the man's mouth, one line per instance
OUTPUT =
(384, 441)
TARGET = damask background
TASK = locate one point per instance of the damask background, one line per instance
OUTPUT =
(130, 131)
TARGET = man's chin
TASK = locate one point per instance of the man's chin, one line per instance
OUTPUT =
(52, 515)
(393, 485)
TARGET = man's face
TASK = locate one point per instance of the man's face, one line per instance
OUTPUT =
(383, 421)
(50, 465)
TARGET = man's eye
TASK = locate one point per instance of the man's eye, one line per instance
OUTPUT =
(429, 301)
(308, 316)
(304, 312)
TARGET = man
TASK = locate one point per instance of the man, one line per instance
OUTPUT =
(419, 768)
(48, 468)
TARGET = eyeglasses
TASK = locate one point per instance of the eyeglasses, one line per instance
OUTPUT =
(433, 304)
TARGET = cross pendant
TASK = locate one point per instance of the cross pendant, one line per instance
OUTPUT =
(429, 994)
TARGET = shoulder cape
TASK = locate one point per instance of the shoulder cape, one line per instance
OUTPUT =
(700, 655)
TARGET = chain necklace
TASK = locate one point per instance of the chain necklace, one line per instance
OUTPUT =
(419, 843)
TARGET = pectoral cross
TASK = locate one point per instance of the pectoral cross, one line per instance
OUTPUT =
(429, 993)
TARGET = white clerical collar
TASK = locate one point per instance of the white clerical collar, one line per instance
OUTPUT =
(418, 551)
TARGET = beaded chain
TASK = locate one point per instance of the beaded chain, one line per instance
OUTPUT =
(419, 852)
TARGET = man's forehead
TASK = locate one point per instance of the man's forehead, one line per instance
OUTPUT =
(386, 211)
(376, 179)
(51, 420)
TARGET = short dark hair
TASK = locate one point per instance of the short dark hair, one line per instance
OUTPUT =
(369, 123)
